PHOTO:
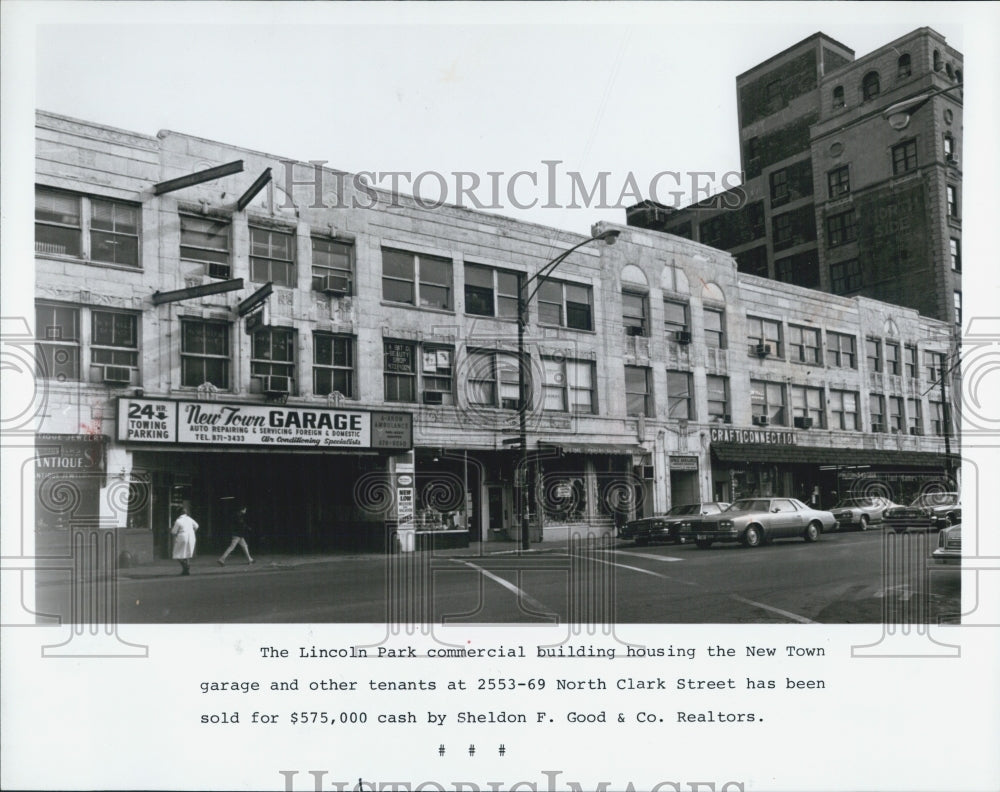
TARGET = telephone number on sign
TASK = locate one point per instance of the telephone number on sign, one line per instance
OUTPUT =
(331, 718)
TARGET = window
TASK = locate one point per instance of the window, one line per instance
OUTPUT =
(718, 398)
(634, 313)
(96, 229)
(957, 305)
(272, 256)
(838, 97)
(841, 229)
(764, 331)
(675, 317)
(934, 361)
(753, 146)
(333, 365)
(779, 187)
(904, 157)
(840, 350)
(494, 380)
(892, 361)
(437, 374)
(206, 240)
(955, 249)
(808, 403)
(895, 413)
(768, 399)
(565, 305)
(204, 353)
(903, 69)
(869, 86)
(910, 360)
(803, 344)
(569, 385)
(949, 147)
(873, 354)
(937, 60)
(491, 292)
(679, 396)
(57, 336)
(715, 329)
(845, 276)
(332, 265)
(952, 197)
(114, 339)
(638, 393)
(939, 417)
(418, 280)
(782, 229)
(399, 368)
(915, 421)
(272, 353)
(838, 181)
(772, 95)
(710, 231)
(844, 410)
(876, 403)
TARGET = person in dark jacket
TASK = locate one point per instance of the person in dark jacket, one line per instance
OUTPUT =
(240, 534)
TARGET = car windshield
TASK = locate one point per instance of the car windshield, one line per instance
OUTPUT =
(930, 499)
(750, 504)
(686, 508)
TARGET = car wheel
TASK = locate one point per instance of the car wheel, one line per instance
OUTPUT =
(752, 536)
(863, 525)
(703, 544)
(812, 531)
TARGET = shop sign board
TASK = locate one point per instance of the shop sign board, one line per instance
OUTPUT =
(765, 436)
(683, 463)
(275, 426)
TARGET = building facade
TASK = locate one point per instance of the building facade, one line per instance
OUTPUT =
(218, 326)
(835, 197)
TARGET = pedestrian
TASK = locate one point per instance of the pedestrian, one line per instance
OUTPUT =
(183, 531)
(240, 532)
(814, 498)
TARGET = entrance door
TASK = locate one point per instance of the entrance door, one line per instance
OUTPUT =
(498, 507)
(683, 487)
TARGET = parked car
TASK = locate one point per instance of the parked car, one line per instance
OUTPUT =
(861, 512)
(928, 512)
(666, 527)
(753, 521)
(949, 549)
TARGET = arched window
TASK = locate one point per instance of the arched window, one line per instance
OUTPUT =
(870, 86)
(903, 69)
(937, 60)
(838, 96)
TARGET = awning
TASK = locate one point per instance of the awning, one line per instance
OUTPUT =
(592, 448)
(796, 455)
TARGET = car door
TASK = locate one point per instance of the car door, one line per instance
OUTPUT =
(786, 519)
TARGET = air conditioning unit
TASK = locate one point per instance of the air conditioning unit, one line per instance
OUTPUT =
(634, 331)
(337, 285)
(116, 375)
(727, 419)
(801, 422)
(760, 420)
(877, 427)
(762, 350)
(433, 397)
(915, 431)
(895, 430)
(682, 337)
(275, 385)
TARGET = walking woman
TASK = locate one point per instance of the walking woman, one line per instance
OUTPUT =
(183, 532)
(240, 533)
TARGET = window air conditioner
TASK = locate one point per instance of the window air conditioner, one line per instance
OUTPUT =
(915, 431)
(337, 285)
(762, 350)
(274, 384)
(760, 420)
(682, 337)
(877, 427)
(433, 397)
(801, 422)
(116, 375)
(634, 331)
(728, 419)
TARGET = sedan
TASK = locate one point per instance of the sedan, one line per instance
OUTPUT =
(753, 521)
(930, 511)
(861, 512)
(949, 549)
(667, 526)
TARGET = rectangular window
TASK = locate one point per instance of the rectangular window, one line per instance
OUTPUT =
(272, 256)
(634, 313)
(955, 251)
(904, 157)
(437, 370)
(845, 276)
(841, 229)
(779, 187)
(718, 398)
(838, 181)
(58, 223)
(938, 417)
(808, 403)
(675, 317)
(400, 371)
(895, 414)
(416, 279)
(206, 240)
(114, 232)
(96, 229)
(782, 226)
(332, 266)
(114, 339)
(764, 332)
(272, 353)
(638, 391)
(715, 328)
(569, 385)
(910, 360)
(767, 399)
(876, 403)
(680, 399)
(934, 362)
(493, 379)
(873, 354)
(952, 197)
(803, 344)
(844, 410)
(205, 351)
(957, 304)
(333, 365)
(491, 292)
(565, 305)
(57, 342)
(892, 361)
(914, 417)
(840, 350)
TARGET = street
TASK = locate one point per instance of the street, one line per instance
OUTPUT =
(838, 580)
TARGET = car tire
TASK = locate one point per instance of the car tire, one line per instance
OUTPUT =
(752, 536)
(703, 544)
(863, 523)
(812, 532)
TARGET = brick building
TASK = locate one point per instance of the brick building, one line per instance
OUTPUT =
(217, 325)
(835, 197)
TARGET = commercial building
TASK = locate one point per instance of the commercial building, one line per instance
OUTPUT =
(216, 326)
(839, 194)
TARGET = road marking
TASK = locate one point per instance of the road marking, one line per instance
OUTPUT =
(642, 555)
(786, 614)
(523, 595)
(640, 569)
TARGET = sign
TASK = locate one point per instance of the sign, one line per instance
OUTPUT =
(683, 463)
(766, 436)
(274, 426)
(399, 357)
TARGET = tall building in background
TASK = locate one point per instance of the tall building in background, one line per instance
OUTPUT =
(842, 194)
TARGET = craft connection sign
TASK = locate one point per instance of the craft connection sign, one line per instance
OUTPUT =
(256, 425)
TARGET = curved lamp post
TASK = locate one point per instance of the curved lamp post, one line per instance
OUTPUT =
(898, 115)
(523, 299)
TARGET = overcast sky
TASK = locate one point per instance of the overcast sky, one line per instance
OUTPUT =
(628, 89)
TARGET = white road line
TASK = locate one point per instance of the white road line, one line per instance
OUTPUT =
(786, 614)
(507, 585)
(643, 555)
(644, 571)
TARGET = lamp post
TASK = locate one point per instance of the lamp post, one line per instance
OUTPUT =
(524, 298)
(898, 115)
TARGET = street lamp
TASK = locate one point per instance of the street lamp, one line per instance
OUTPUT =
(523, 299)
(898, 115)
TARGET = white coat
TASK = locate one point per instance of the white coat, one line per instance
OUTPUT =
(184, 536)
